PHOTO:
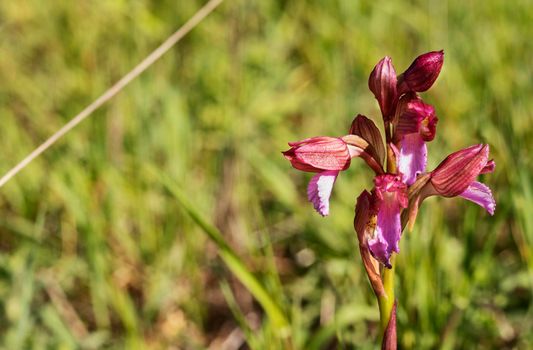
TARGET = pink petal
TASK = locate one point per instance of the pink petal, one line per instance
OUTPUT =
(412, 159)
(390, 195)
(388, 230)
(489, 167)
(327, 153)
(481, 195)
(319, 190)
(415, 117)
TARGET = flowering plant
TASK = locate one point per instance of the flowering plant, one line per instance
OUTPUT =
(401, 181)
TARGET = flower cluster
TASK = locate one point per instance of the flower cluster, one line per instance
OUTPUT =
(401, 182)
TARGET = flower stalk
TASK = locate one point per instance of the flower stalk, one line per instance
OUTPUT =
(386, 301)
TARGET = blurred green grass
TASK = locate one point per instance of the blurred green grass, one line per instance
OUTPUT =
(96, 253)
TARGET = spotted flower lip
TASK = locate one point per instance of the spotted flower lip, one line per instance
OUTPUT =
(382, 82)
(389, 197)
(422, 73)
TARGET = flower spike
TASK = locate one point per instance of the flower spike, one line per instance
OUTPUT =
(401, 182)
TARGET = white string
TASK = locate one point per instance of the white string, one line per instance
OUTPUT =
(113, 90)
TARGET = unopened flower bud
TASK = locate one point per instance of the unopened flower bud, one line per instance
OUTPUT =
(422, 73)
(382, 82)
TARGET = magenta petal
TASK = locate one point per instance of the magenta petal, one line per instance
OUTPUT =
(319, 190)
(489, 167)
(412, 159)
(481, 195)
(388, 230)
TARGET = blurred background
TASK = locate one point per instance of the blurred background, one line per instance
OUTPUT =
(98, 248)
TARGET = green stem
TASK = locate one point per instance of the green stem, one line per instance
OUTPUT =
(386, 301)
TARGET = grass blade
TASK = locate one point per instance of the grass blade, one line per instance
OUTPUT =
(230, 258)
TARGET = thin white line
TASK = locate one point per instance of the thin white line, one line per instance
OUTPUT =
(112, 91)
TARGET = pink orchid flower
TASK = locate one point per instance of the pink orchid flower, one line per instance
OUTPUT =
(456, 175)
(401, 181)
(327, 156)
(409, 124)
(381, 214)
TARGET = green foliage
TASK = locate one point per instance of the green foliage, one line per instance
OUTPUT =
(97, 252)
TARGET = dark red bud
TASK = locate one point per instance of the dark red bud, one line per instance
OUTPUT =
(422, 73)
(382, 82)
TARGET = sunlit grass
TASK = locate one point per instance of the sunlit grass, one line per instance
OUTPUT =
(135, 271)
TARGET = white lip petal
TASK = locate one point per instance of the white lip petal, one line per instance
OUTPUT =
(319, 190)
